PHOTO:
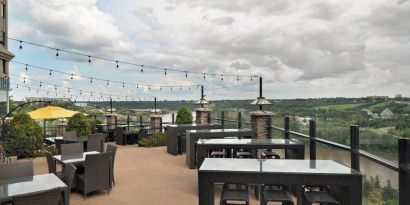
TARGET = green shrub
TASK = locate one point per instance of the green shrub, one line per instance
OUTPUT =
(23, 137)
(184, 116)
(155, 140)
(79, 123)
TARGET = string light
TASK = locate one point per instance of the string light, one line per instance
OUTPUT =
(204, 76)
(123, 84)
(237, 78)
(117, 65)
(142, 68)
(40, 84)
(24, 80)
(251, 78)
(26, 68)
(186, 74)
(21, 46)
(91, 80)
(222, 77)
(165, 71)
(108, 82)
(50, 73)
(58, 50)
(71, 77)
(17, 86)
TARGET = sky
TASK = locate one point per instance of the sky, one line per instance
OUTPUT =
(301, 48)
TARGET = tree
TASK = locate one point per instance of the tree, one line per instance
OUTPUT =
(184, 116)
(80, 124)
(23, 136)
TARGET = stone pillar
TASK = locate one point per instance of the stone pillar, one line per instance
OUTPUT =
(156, 123)
(203, 116)
(261, 122)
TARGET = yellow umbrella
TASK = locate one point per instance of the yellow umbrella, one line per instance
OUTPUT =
(51, 112)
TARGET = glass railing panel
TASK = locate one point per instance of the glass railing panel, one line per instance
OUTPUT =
(379, 142)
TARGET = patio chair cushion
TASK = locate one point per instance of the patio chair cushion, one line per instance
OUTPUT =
(277, 195)
(320, 197)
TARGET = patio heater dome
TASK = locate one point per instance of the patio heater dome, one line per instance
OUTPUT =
(260, 101)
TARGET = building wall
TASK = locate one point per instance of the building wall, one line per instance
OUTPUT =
(5, 57)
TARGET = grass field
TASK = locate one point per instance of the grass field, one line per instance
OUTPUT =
(340, 106)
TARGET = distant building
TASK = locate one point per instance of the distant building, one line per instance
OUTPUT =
(367, 111)
(398, 96)
(5, 57)
(375, 97)
(81, 104)
(386, 114)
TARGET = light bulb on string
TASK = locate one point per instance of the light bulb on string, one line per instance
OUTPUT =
(142, 68)
(81, 92)
(21, 46)
(40, 84)
(137, 85)
(17, 86)
(237, 78)
(24, 80)
(89, 59)
(149, 87)
(57, 52)
(160, 87)
(68, 90)
(91, 80)
(117, 64)
(222, 77)
(55, 87)
(165, 71)
(108, 82)
(72, 77)
(50, 73)
(37, 90)
(26, 68)
(186, 74)
(251, 78)
(171, 87)
(91, 93)
(204, 76)
(123, 84)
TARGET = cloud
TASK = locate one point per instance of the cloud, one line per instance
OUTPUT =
(74, 24)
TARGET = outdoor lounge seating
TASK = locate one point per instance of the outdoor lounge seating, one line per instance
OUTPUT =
(234, 194)
(16, 170)
(52, 165)
(112, 150)
(96, 142)
(49, 197)
(96, 174)
(68, 175)
(72, 148)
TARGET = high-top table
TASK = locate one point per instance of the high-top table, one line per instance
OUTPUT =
(294, 149)
(345, 183)
(173, 141)
(192, 136)
(11, 188)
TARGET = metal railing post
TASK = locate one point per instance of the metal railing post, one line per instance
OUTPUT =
(312, 135)
(173, 118)
(140, 120)
(239, 120)
(223, 119)
(354, 147)
(128, 122)
(404, 171)
(287, 127)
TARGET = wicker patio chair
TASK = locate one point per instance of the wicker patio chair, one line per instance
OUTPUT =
(51, 165)
(112, 150)
(234, 194)
(318, 194)
(119, 136)
(49, 197)
(275, 193)
(269, 154)
(72, 148)
(58, 143)
(68, 175)
(16, 170)
(95, 142)
(96, 174)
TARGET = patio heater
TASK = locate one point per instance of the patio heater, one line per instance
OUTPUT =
(261, 120)
(203, 113)
(156, 119)
(111, 118)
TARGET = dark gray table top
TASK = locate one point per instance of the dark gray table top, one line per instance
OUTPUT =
(219, 130)
(248, 141)
(71, 139)
(18, 186)
(73, 158)
(276, 166)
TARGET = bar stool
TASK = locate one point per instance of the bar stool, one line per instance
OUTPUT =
(269, 154)
(319, 195)
(275, 193)
(234, 194)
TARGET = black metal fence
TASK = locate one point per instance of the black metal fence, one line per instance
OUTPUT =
(402, 167)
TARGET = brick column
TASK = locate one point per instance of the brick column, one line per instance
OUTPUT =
(261, 122)
(203, 116)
